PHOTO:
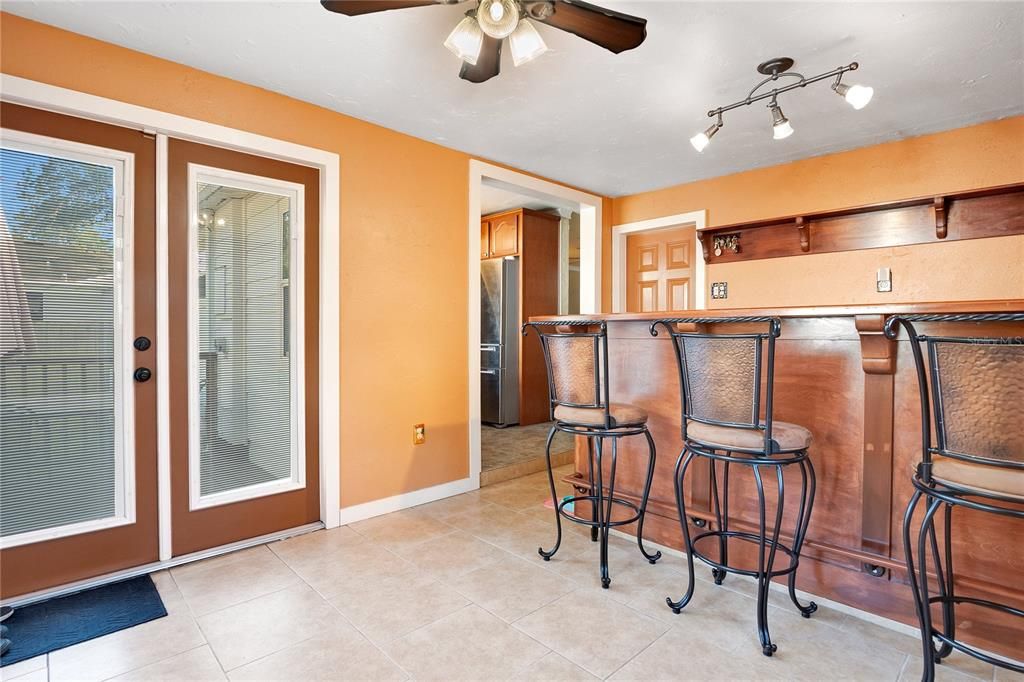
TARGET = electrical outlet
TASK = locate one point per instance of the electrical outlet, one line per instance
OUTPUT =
(720, 290)
(419, 434)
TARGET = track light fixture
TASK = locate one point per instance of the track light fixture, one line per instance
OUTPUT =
(857, 96)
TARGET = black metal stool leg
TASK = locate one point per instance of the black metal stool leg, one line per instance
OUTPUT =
(908, 551)
(554, 499)
(605, 526)
(652, 454)
(803, 520)
(593, 492)
(601, 519)
(763, 580)
(945, 585)
(723, 543)
(685, 457)
(928, 674)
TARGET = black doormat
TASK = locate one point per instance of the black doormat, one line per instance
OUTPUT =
(63, 621)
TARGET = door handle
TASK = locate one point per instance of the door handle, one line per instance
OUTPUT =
(142, 343)
(488, 371)
(143, 374)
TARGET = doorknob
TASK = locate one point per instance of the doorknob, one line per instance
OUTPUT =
(142, 343)
(142, 374)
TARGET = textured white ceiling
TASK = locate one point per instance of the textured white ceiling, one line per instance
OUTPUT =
(613, 124)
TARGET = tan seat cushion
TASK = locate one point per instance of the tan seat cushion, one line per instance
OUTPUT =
(622, 415)
(981, 477)
(785, 436)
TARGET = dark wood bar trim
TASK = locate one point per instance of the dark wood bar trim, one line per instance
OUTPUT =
(878, 358)
(991, 212)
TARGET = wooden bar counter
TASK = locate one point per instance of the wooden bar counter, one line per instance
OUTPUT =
(837, 375)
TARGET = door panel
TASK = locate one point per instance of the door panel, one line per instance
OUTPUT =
(77, 435)
(244, 388)
(658, 270)
(505, 235)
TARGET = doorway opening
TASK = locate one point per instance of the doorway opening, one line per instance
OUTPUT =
(538, 255)
(657, 264)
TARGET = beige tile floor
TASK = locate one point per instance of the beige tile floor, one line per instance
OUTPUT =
(454, 590)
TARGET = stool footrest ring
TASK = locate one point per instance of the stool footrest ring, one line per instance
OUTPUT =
(746, 537)
(594, 499)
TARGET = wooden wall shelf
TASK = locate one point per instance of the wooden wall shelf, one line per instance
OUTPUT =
(991, 212)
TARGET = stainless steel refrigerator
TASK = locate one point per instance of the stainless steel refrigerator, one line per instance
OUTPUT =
(499, 341)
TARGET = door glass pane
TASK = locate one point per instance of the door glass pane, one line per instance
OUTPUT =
(244, 337)
(59, 421)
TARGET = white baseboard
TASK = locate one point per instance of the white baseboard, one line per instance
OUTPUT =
(367, 510)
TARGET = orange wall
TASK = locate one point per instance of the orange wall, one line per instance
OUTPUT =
(404, 246)
(967, 158)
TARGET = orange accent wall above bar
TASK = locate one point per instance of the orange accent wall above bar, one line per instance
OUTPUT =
(986, 155)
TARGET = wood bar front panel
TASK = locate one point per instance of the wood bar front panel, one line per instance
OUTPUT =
(857, 393)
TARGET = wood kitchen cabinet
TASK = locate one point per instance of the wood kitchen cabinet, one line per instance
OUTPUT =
(499, 233)
(533, 237)
(485, 239)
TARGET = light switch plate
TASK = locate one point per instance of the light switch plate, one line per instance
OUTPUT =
(883, 280)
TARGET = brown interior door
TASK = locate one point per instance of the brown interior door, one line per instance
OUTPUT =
(77, 433)
(658, 270)
(243, 268)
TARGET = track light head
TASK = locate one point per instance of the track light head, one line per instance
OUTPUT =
(781, 128)
(702, 140)
(856, 95)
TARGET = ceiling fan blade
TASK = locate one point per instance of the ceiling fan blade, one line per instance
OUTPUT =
(488, 64)
(611, 30)
(356, 7)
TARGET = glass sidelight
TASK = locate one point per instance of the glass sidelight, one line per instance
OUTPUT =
(245, 337)
(66, 395)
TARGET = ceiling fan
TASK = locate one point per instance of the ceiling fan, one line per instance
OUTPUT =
(477, 38)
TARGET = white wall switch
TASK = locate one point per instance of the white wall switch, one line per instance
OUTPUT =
(883, 280)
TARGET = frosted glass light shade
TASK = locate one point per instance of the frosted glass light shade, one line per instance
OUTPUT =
(857, 96)
(466, 40)
(526, 43)
(498, 18)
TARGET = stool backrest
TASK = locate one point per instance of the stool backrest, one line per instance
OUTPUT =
(576, 356)
(721, 375)
(971, 390)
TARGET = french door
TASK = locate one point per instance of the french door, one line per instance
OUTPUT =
(78, 472)
(243, 273)
(79, 482)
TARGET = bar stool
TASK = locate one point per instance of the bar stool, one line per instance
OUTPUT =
(576, 355)
(976, 461)
(721, 377)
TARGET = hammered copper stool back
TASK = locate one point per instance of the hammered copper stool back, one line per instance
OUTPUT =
(727, 380)
(971, 380)
(576, 355)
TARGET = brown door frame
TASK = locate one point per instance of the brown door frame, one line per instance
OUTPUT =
(206, 528)
(51, 563)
